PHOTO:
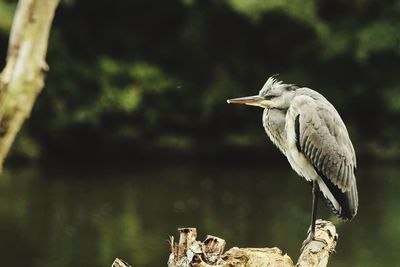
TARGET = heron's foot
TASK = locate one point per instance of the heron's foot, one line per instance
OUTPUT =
(311, 238)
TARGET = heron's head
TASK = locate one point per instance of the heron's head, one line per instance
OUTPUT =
(274, 94)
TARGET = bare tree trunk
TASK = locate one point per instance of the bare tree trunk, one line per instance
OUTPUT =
(192, 253)
(23, 76)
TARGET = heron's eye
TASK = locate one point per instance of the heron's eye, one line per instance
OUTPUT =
(268, 97)
(291, 87)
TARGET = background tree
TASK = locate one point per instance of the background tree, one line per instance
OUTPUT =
(23, 76)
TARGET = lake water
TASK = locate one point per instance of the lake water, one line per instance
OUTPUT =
(73, 217)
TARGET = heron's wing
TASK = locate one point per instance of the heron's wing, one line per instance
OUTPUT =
(323, 139)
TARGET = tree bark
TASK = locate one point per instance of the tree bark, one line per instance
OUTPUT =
(316, 253)
(22, 79)
(192, 253)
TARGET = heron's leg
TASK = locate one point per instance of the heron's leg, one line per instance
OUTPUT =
(315, 192)
(311, 236)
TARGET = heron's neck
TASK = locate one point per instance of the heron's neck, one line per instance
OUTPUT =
(274, 125)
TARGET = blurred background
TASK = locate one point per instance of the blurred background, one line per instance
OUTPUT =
(132, 137)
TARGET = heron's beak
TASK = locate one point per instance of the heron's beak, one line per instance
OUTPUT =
(248, 100)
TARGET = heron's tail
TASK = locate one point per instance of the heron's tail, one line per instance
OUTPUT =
(352, 200)
(342, 204)
(348, 203)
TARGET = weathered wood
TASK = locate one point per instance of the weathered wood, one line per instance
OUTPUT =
(189, 252)
(120, 263)
(192, 253)
(316, 253)
(23, 76)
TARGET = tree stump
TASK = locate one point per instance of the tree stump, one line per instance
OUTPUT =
(189, 252)
(192, 253)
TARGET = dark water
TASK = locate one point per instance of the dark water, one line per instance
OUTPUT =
(70, 217)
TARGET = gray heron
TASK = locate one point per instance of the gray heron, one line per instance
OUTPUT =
(309, 131)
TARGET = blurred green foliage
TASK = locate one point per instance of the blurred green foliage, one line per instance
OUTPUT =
(6, 15)
(146, 76)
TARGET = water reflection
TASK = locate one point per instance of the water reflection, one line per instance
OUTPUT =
(74, 218)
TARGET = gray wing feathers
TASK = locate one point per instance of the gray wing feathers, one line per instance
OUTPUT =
(324, 139)
(352, 198)
(325, 142)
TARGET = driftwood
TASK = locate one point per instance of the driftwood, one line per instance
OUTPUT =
(192, 253)
(120, 263)
(23, 76)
